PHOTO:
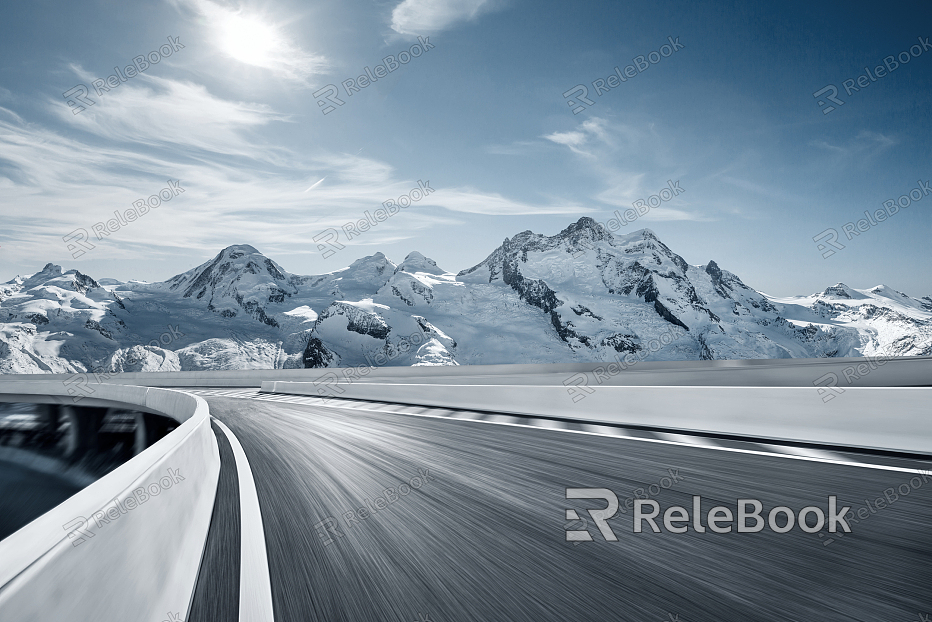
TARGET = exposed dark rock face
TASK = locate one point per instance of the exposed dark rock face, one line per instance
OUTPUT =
(252, 308)
(316, 355)
(582, 310)
(37, 318)
(357, 320)
(83, 283)
(622, 343)
(223, 278)
(637, 265)
(372, 326)
(580, 295)
(838, 291)
(650, 294)
(92, 325)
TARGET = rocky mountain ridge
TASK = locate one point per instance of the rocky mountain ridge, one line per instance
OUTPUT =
(580, 295)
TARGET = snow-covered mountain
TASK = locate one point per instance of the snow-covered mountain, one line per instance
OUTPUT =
(887, 322)
(580, 295)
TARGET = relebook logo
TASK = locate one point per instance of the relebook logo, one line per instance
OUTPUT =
(80, 528)
(719, 519)
(78, 95)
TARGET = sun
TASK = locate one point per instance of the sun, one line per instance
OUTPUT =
(248, 40)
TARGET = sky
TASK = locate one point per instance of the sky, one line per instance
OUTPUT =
(238, 115)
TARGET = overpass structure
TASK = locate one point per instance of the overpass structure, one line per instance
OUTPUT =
(441, 493)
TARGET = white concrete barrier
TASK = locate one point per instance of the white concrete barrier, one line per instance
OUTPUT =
(888, 418)
(898, 371)
(117, 550)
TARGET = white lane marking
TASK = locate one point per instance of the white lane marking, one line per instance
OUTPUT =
(691, 440)
(753, 452)
(550, 424)
(502, 418)
(799, 451)
(255, 584)
(603, 430)
(697, 442)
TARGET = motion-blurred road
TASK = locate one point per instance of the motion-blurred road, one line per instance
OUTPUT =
(483, 536)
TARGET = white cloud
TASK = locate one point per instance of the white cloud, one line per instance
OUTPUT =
(630, 161)
(144, 133)
(161, 112)
(413, 17)
(592, 130)
(476, 202)
(865, 145)
(573, 140)
(623, 189)
(520, 147)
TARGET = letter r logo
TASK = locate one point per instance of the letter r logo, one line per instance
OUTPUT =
(832, 98)
(578, 387)
(76, 96)
(330, 380)
(330, 236)
(329, 93)
(600, 517)
(583, 97)
(576, 536)
(79, 237)
(327, 527)
(81, 381)
(830, 382)
(831, 237)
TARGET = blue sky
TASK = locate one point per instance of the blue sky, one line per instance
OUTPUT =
(480, 115)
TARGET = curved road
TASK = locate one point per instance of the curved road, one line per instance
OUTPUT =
(480, 534)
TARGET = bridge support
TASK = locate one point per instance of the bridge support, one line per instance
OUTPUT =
(150, 428)
(83, 426)
(49, 416)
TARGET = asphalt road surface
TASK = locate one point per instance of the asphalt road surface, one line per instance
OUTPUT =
(481, 534)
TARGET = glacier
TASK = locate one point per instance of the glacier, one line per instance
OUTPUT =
(582, 295)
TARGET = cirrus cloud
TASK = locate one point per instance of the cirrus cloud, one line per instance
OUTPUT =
(414, 17)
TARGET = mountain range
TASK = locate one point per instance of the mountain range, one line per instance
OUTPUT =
(581, 295)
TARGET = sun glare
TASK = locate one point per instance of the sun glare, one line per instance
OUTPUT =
(248, 40)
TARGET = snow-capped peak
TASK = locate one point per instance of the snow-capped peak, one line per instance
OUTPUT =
(416, 262)
(582, 294)
(52, 276)
(239, 278)
(49, 272)
(841, 291)
(236, 264)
